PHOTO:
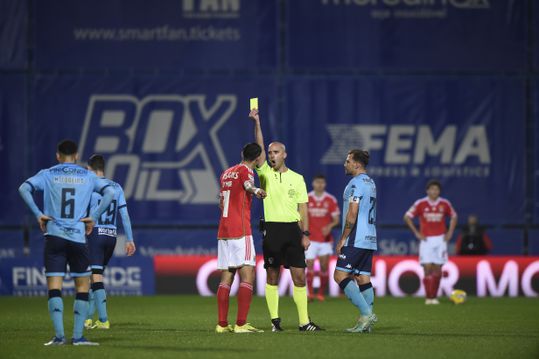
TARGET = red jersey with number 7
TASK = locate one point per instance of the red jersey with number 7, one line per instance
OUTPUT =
(235, 202)
(432, 215)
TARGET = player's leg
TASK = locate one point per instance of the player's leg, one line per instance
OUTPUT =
(295, 260)
(96, 260)
(79, 265)
(425, 259)
(246, 260)
(439, 260)
(323, 258)
(343, 275)
(223, 292)
(223, 300)
(55, 268)
(98, 287)
(272, 247)
(310, 256)
(363, 277)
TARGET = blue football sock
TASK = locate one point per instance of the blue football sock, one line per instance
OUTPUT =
(352, 292)
(91, 304)
(101, 304)
(368, 293)
(80, 310)
(56, 311)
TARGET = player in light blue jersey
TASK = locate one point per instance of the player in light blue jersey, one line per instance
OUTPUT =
(358, 240)
(102, 241)
(67, 189)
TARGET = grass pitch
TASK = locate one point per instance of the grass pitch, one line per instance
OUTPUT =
(182, 327)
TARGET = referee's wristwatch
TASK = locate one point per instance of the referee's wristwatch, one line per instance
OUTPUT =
(306, 233)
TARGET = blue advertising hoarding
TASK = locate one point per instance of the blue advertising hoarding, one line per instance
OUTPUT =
(430, 35)
(453, 129)
(166, 140)
(168, 34)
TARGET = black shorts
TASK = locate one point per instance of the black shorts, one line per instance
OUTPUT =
(282, 245)
(59, 252)
(101, 249)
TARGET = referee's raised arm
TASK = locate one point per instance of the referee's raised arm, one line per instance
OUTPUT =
(259, 138)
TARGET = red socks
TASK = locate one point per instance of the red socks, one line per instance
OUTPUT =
(245, 294)
(324, 277)
(432, 284)
(310, 278)
(437, 278)
(223, 294)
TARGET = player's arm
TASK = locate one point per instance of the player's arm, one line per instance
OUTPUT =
(26, 190)
(349, 222)
(259, 138)
(335, 221)
(250, 187)
(303, 209)
(452, 226)
(126, 222)
(409, 220)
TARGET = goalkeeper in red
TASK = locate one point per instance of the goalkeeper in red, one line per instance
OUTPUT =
(236, 250)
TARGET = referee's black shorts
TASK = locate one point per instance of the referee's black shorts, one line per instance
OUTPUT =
(282, 245)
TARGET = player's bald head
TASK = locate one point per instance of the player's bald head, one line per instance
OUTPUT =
(279, 145)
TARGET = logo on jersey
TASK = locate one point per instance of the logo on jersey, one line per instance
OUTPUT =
(414, 151)
(161, 147)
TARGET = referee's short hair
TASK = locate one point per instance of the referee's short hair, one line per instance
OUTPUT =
(67, 148)
(97, 163)
(360, 156)
(251, 151)
(434, 182)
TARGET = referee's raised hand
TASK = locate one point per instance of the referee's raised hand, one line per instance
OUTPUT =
(253, 115)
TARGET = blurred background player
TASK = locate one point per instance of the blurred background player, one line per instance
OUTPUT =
(433, 235)
(473, 239)
(357, 244)
(324, 214)
(101, 243)
(67, 190)
(236, 251)
(286, 229)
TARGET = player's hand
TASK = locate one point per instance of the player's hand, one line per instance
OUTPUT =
(253, 115)
(326, 230)
(261, 194)
(130, 248)
(339, 247)
(42, 220)
(305, 242)
(448, 236)
(89, 224)
(420, 236)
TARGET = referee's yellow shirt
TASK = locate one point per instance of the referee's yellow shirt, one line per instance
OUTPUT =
(284, 191)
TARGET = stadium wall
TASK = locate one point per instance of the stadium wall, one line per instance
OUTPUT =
(433, 89)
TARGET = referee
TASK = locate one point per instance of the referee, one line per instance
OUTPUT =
(286, 235)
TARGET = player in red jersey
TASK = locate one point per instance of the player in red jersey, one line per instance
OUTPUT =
(432, 211)
(324, 214)
(236, 250)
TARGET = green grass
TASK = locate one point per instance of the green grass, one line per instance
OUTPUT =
(182, 327)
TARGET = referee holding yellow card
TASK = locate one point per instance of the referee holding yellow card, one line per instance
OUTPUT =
(286, 234)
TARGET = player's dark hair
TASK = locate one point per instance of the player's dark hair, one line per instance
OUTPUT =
(67, 148)
(97, 163)
(319, 176)
(434, 182)
(360, 156)
(251, 151)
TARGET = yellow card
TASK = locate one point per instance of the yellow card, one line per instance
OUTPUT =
(253, 103)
